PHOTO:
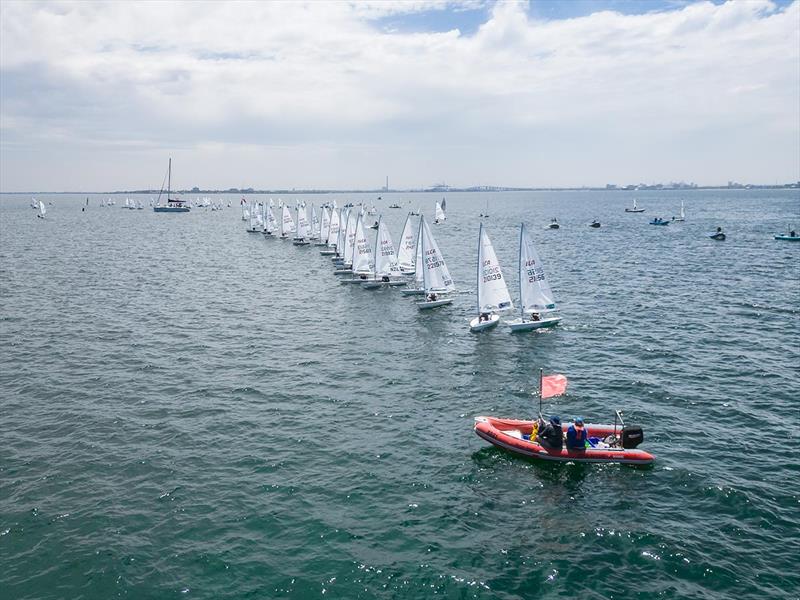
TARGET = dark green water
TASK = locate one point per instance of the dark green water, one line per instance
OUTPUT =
(191, 411)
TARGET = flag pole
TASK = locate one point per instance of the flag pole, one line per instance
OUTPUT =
(540, 392)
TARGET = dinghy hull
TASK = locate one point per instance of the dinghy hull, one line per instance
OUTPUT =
(529, 325)
(477, 325)
(412, 292)
(788, 238)
(509, 434)
(428, 304)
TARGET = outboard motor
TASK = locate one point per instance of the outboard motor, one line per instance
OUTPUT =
(632, 436)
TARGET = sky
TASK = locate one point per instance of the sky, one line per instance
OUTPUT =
(96, 96)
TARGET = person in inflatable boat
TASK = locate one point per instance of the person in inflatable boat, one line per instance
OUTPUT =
(576, 435)
(550, 435)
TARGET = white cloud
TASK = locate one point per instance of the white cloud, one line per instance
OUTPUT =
(521, 101)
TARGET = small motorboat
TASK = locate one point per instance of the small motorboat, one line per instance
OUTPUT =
(659, 221)
(395, 205)
(717, 235)
(553, 224)
(594, 224)
(789, 237)
(608, 443)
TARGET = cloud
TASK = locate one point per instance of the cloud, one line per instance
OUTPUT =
(150, 77)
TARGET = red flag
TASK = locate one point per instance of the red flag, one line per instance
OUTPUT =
(553, 385)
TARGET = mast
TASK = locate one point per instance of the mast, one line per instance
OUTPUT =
(424, 266)
(540, 391)
(377, 248)
(169, 178)
(478, 274)
(521, 301)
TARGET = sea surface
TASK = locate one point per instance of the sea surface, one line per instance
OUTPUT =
(188, 410)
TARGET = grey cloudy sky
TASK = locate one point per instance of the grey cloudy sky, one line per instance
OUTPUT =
(97, 96)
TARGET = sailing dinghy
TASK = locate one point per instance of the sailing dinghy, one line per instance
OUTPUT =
(535, 295)
(324, 227)
(417, 286)
(441, 217)
(437, 282)
(42, 210)
(363, 263)
(287, 223)
(387, 270)
(493, 293)
(333, 233)
(302, 227)
(408, 248)
(270, 222)
(682, 216)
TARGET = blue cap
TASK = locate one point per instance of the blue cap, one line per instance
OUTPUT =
(555, 420)
(578, 420)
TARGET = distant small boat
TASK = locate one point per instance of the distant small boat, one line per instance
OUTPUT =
(682, 216)
(659, 221)
(441, 217)
(717, 235)
(485, 213)
(789, 237)
(395, 205)
(375, 225)
(174, 205)
(595, 224)
(42, 210)
(553, 224)
(635, 208)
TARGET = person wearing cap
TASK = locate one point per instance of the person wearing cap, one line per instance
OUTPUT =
(576, 435)
(550, 435)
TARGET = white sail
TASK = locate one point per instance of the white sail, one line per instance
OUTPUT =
(341, 239)
(287, 223)
(362, 252)
(302, 224)
(333, 232)
(436, 275)
(683, 214)
(324, 225)
(385, 258)
(245, 212)
(408, 246)
(315, 224)
(272, 223)
(492, 289)
(440, 216)
(350, 236)
(253, 217)
(419, 270)
(42, 209)
(534, 290)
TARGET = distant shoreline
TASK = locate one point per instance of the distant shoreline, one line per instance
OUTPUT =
(786, 186)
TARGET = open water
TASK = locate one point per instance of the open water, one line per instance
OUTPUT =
(192, 411)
